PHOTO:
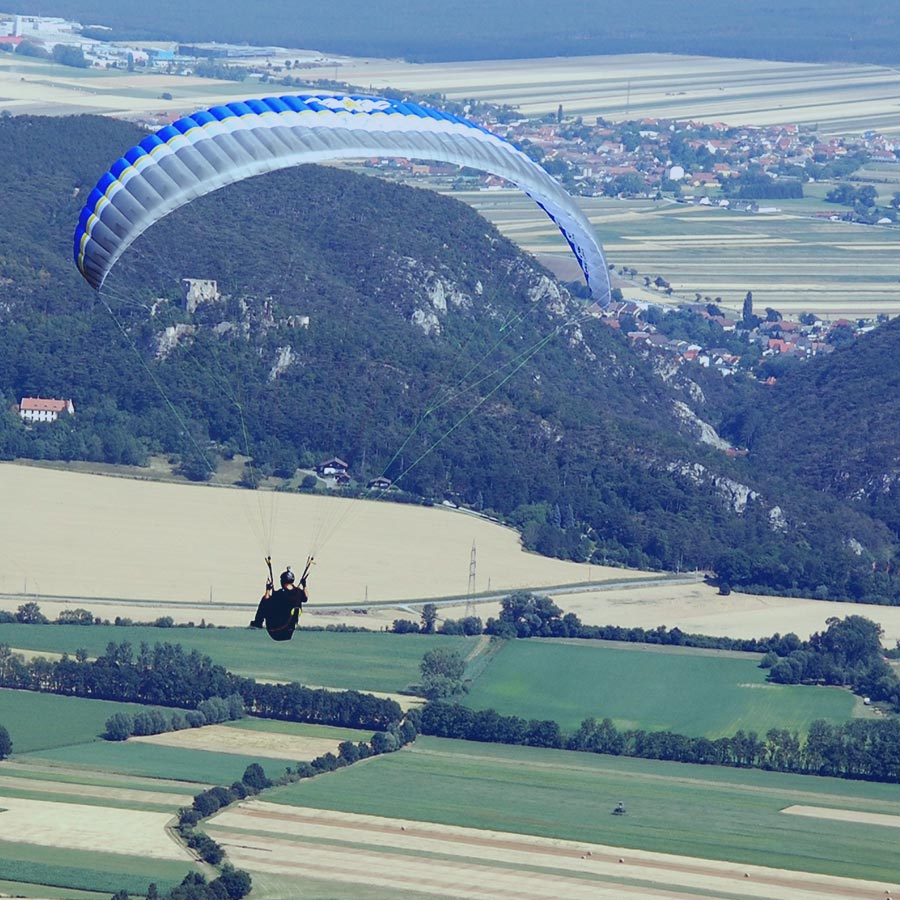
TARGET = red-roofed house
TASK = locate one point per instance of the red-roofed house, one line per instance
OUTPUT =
(38, 409)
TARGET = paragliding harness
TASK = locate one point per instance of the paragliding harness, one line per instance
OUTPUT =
(280, 619)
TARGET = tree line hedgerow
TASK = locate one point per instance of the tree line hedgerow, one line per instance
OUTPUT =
(168, 675)
(861, 749)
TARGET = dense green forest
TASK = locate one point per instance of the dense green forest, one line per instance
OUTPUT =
(434, 351)
(840, 425)
(425, 32)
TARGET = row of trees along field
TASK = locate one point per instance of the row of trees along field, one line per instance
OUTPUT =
(167, 675)
(861, 749)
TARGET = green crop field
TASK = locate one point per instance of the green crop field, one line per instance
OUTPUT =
(95, 871)
(200, 767)
(43, 721)
(708, 812)
(21, 889)
(692, 693)
(363, 661)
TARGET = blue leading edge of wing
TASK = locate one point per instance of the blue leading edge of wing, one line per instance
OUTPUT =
(134, 193)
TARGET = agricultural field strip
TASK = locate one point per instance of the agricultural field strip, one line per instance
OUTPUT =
(579, 859)
(224, 739)
(845, 815)
(114, 796)
(301, 729)
(460, 881)
(99, 870)
(777, 793)
(669, 649)
(457, 877)
(852, 97)
(49, 772)
(87, 827)
(17, 889)
(438, 848)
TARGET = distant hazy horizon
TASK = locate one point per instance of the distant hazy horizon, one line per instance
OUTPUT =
(502, 29)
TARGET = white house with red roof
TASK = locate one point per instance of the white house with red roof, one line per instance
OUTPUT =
(40, 409)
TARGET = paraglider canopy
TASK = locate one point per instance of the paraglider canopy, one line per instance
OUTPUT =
(215, 147)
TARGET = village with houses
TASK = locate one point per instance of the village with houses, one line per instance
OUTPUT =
(759, 339)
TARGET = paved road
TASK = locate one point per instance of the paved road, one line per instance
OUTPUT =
(411, 605)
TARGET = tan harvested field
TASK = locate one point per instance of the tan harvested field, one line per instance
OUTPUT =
(70, 534)
(222, 739)
(844, 815)
(29, 87)
(841, 99)
(692, 607)
(76, 535)
(699, 608)
(352, 850)
(80, 827)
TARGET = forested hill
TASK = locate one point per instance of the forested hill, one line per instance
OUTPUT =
(832, 426)
(398, 330)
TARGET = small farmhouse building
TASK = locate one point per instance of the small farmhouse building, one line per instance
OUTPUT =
(39, 409)
(379, 484)
(333, 466)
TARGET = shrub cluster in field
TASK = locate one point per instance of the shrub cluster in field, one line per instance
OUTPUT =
(848, 653)
(121, 726)
(231, 884)
(29, 613)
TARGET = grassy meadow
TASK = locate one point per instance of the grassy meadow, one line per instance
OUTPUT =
(706, 812)
(53, 868)
(697, 693)
(154, 761)
(46, 721)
